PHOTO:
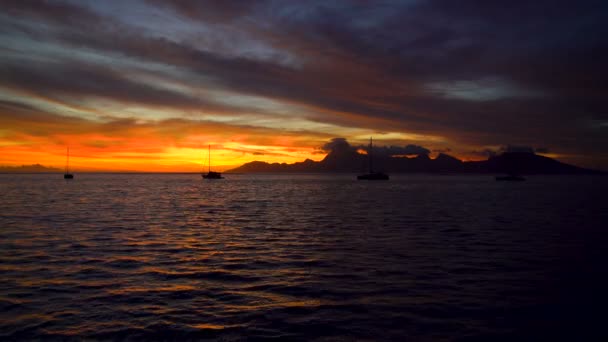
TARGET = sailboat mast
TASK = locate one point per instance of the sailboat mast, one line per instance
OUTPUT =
(202, 160)
(67, 160)
(209, 158)
(370, 156)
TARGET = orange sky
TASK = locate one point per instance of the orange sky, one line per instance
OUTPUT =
(32, 136)
(127, 145)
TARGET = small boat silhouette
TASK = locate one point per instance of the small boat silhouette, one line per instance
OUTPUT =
(211, 174)
(67, 174)
(511, 164)
(372, 175)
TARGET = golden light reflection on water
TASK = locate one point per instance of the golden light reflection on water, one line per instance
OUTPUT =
(155, 256)
(153, 288)
(209, 326)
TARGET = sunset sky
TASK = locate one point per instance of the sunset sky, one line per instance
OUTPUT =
(147, 85)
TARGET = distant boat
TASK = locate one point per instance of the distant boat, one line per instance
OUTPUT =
(211, 174)
(511, 177)
(67, 174)
(372, 175)
(512, 167)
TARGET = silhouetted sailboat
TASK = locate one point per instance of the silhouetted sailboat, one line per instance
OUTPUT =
(211, 174)
(67, 174)
(372, 175)
(512, 165)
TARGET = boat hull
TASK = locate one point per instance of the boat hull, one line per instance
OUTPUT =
(213, 175)
(373, 176)
(68, 176)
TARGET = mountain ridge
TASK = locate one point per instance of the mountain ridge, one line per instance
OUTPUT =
(34, 168)
(349, 161)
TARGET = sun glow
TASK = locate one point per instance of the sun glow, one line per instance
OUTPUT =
(91, 157)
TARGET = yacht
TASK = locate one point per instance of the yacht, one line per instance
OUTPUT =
(372, 175)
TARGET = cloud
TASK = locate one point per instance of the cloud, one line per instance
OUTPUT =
(31, 121)
(209, 11)
(524, 149)
(488, 152)
(541, 150)
(342, 145)
(59, 80)
(461, 72)
(485, 153)
(337, 145)
(399, 150)
(53, 12)
(517, 149)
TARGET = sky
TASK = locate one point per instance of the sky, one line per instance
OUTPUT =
(148, 85)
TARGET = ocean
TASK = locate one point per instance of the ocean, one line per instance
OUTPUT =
(302, 257)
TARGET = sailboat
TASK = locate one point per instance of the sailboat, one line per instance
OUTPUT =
(67, 174)
(211, 174)
(372, 175)
(511, 165)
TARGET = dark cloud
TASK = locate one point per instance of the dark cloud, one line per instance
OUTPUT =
(77, 80)
(542, 150)
(33, 121)
(337, 145)
(398, 150)
(209, 11)
(342, 145)
(486, 153)
(54, 12)
(509, 148)
(518, 149)
(524, 149)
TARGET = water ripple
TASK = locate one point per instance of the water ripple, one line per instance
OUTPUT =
(171, 257)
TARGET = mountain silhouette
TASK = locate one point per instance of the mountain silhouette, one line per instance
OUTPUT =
(345, 158)
(34, 168)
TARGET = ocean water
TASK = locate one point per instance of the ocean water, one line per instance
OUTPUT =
(302, 257)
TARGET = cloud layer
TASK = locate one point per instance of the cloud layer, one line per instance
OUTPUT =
(278, 78)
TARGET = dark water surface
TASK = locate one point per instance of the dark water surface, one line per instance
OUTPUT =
(173, 257)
